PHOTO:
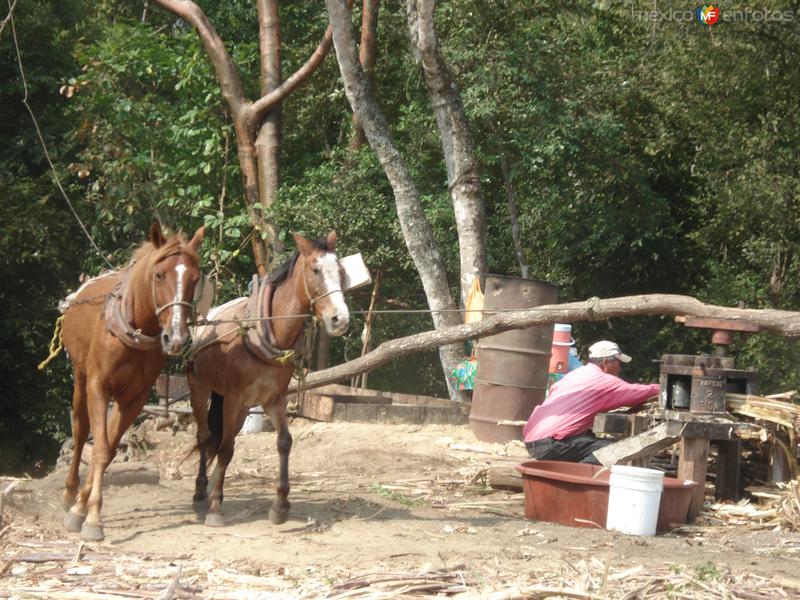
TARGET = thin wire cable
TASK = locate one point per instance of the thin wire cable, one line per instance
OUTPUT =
(41, 137)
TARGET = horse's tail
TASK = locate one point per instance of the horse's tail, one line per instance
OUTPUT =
(215, 416)
(211, 445)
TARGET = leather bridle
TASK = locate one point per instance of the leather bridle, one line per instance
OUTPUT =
(192, 306)
(312, 300)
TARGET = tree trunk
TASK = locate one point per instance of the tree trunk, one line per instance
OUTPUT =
(249, 167)
(463, 176)
(366, 56)
(783, 322)
(268, 142)
(248, 117)
(513, 216)
(416, 229)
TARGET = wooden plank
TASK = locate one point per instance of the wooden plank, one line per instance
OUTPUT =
(693, 466)
(726, 324)
(357, 399)
(710, 430)
(643, 444)
(398, 413)
(620, 423)
(760, 407)
(681, 423)
(396, 397)
(317, 407)
(171, 386)
(337, 389)
(638, 426)
(366, 409)
(322, 407)
(332, 389)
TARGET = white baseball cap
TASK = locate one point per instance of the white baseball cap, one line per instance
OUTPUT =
(606, 349)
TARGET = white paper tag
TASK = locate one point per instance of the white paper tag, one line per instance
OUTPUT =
(203, 296)
(356, 273)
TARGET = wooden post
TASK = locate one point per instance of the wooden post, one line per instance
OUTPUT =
(693, 466)
(728, 465)
(361, 380)
(637, 427)
(642, 445)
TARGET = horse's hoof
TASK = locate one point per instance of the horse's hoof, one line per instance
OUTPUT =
(200, 506)
(91, 532)
(73, 522)
(215, 520)
(278, 516)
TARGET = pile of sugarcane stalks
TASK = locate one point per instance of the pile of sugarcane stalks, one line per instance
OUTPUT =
(778, 408)
(777, 509)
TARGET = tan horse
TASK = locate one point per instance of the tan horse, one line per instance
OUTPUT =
(247, 366)
(117, 330)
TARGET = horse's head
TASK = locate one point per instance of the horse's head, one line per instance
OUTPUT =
(175, 273)
(322, 277)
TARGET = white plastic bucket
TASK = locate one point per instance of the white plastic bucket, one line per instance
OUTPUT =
(633, 500)
(253, 423)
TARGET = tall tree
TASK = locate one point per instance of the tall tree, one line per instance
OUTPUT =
(366, 56)
(463, 173)
(258, 153)
(416, 228)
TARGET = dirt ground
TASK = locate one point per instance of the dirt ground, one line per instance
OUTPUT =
(366, 499)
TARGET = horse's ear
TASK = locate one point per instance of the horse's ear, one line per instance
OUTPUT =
(156, 237)
(195, 242)
(331, 241)
(303, 245)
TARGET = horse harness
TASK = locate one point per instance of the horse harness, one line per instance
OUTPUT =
(254, 324)
(259, 336)
(118, 324)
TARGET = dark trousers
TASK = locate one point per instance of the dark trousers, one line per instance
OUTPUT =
(577, 448)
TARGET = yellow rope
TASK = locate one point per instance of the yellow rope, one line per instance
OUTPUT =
(55, 343)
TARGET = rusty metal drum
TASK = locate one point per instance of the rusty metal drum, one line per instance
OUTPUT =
(511, 378)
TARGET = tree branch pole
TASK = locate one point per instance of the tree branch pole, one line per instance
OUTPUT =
(786, 323)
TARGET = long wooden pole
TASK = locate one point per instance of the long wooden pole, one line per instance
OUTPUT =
(786, 323)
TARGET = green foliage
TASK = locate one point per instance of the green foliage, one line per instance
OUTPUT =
(39, 237)
(707, 571)
(146, 146)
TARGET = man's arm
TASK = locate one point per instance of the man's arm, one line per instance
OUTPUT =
(630, 394)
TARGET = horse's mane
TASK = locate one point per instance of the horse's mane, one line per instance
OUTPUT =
(282, 272)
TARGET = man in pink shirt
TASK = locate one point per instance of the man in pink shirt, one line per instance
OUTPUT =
(560, 427)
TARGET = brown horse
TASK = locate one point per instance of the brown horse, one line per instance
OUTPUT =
(244, 362)
(117, 329)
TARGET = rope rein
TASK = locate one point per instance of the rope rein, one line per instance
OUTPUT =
(56, 343)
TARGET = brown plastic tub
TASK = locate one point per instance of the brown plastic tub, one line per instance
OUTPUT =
(576, 494)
